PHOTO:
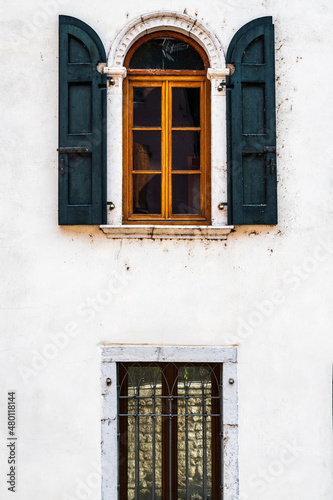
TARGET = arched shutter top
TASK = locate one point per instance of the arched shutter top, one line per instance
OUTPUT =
(233, 53)
(84, 33)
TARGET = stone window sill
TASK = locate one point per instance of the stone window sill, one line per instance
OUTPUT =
(167, 232)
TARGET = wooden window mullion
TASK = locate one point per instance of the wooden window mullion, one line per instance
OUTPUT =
(165, 122)
(168, 149)
(203, 157)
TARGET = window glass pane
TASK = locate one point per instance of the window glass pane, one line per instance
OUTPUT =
(185, 107)
(146, 150)
(166, 53)
(186, 194)
(146, 106)
(194, 431)
(146, 194)
(185, 150)
(144, 432)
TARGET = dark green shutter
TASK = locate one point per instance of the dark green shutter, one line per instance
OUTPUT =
(82, 125)
(252, 193)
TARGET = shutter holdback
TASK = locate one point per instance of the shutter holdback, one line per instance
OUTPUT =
(223, 85)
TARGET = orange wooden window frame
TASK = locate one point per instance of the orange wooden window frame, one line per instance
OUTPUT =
(166, 80)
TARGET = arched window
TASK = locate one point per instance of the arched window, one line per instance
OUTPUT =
(166, 132)
(168, 176)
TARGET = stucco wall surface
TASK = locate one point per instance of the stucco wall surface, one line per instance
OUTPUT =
(65, 291)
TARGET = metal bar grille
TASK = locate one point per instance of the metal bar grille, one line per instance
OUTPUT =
(153, 442)
(136, 448)
(204, 447)
(186, 441)
(221, 433)
(177, 462)
(170, 447)
(118, 430)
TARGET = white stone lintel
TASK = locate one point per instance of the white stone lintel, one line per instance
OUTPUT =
(161, 353)
(117, 73)
(217, 73)
(167, 232)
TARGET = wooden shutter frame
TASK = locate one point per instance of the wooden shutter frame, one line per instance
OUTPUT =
(239, 213)
(94, 213)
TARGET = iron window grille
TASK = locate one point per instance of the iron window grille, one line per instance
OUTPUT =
(169, 431)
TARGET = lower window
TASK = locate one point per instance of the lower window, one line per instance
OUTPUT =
(169, 430)
(164, 434)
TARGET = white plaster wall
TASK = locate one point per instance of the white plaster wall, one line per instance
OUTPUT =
(166, 292)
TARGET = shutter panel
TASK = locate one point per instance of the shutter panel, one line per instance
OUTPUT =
(82, 125)
(252, 190)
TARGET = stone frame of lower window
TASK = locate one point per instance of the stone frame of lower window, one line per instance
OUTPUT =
(113, 354)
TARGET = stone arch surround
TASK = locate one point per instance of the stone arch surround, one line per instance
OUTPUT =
(181, 23)
(216, 73)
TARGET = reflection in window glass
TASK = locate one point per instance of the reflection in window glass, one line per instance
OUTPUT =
(146, 194)
(186, 194)
(185, 150)
(166, 53)
(144, 433)
(194, 390)
(146, 150)
(185, 107)
(147, 106)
